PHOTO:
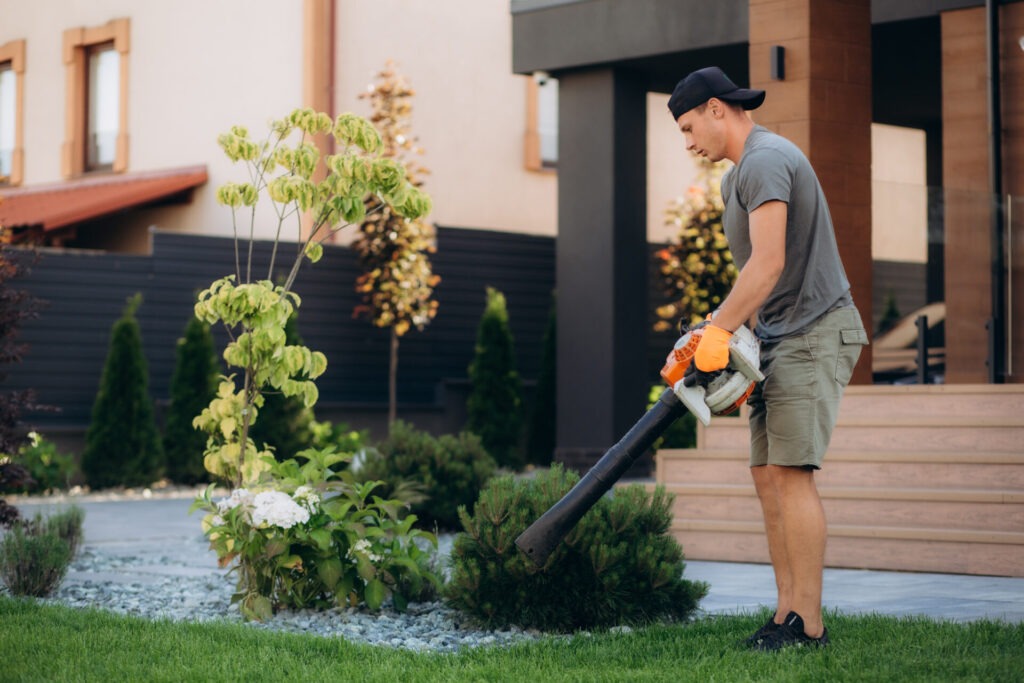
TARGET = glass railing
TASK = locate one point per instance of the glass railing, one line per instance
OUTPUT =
(948, 292)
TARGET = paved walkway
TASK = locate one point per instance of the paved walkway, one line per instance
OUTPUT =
(160, 528)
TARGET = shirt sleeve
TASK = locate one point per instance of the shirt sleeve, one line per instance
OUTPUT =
(764, 176)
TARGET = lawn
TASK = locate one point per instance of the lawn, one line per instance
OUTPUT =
(53, 643)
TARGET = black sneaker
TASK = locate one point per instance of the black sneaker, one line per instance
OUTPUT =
(789, 633)
(769, 628)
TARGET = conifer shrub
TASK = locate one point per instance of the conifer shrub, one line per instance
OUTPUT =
(284, 423)
(436, 476)
(122, 445)
(35, 554)
(494, 407)
(193, 386)
(618, 566)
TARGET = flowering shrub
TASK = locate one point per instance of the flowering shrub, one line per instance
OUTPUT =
(308, 536)
(292, 530)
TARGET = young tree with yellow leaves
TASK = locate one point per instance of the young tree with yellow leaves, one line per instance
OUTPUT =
(397, 283)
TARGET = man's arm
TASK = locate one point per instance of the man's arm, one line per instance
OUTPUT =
(762, 270)
(754, 284)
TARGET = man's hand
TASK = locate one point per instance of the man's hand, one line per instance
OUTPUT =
(713, 350)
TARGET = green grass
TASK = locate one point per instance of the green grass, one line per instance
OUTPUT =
(53, 643)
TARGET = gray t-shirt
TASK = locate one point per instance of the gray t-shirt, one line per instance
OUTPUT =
(813, 281)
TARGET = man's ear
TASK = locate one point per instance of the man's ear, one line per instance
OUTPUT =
(716, 107)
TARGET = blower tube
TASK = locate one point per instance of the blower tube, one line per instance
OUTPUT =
(544, 535)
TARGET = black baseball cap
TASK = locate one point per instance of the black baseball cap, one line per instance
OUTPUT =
(703, 84)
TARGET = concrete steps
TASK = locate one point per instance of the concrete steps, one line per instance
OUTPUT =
(917, 478)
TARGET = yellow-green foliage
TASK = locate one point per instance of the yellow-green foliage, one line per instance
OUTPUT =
(696, 269)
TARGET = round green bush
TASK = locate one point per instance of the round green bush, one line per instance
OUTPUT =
(618, 566)
(447, 472)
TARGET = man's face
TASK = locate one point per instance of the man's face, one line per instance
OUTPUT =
(704, 131)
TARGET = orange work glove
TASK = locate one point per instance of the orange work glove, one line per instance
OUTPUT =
(713, 350)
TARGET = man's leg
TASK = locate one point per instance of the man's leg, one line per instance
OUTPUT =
(803, 532)
(774, 530)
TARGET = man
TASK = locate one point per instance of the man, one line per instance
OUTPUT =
(794, 293)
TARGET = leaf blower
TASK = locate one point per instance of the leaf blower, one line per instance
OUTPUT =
(703, 394)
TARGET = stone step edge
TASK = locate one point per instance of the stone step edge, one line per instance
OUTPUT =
(937, 422)
(1010, 538)
(858, 455)
(928, 495)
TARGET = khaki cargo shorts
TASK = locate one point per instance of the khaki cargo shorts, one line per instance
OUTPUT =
(793, 411)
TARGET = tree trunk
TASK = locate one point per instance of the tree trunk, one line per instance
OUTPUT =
(393, 381)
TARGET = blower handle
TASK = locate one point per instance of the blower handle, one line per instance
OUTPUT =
(544, 535)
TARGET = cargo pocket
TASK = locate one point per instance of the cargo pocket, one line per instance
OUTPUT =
(851, 343)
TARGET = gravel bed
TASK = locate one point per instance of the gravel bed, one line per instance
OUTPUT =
(178, 590)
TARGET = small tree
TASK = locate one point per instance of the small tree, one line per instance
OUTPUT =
(495, 403)
(16, 306)
(122, 445)
(193, 386)
(285, 423)
(397, 283)
(300, 535)
(540, 442)
(696, 269)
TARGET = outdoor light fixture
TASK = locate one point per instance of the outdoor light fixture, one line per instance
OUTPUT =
(541, 77)
(777, 55)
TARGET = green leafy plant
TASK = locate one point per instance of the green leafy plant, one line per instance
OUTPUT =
(397, 284)
(696, 269)
(494, 407)
(619, 565)
(122, 444)
(540, 440)
(311, 536)
(193, 386)
(49, 469)
(286, 550)
(340, 436)
(448, 472)
(35, 554)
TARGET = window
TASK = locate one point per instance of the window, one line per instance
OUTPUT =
(103, 90)
(12, 67)
(96, 130)
(541, 122)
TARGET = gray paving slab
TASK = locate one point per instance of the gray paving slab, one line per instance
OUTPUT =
(159, 538)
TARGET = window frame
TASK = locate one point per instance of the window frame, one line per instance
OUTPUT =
(77, 44)
(13, 53)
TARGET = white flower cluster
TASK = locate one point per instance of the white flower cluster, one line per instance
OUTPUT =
(274, 508)
(307, 498)
(363, 547)
(238, 497)
(267, 508)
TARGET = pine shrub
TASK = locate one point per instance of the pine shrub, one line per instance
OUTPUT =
(193, 386)
(494, 406)
(447, 472)
(284, 423)
(540, 442)
(618, 566)
(35, 554)
(122, 445)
